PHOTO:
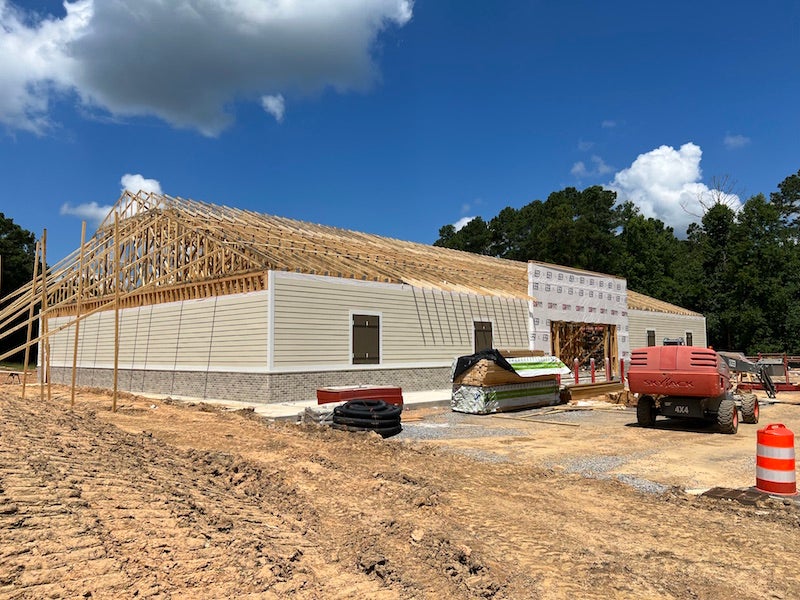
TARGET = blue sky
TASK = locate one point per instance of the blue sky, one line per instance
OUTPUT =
(388, 116)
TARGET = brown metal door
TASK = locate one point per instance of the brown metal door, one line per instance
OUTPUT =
(366, 340)
(483, 335)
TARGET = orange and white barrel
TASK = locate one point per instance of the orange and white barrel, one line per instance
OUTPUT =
(775, 465)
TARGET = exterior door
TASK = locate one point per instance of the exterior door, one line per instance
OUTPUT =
(483, 335)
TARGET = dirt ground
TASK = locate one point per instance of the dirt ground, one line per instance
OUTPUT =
(167, 500)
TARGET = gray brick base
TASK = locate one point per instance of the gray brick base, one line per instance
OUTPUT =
(252, 387)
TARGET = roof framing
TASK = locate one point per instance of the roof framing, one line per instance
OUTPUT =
(172, 248)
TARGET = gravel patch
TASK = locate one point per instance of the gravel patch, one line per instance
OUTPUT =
(594, 465)
(442, 431)
(643, 485)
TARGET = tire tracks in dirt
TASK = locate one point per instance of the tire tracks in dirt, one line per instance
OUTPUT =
(88, 509)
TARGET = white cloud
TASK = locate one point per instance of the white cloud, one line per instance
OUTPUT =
(579, 169)
(274, 105)
(598, 167)
(89, 211)
(461, 222)
(95, 213)
(34, 65)
(585, 146)
(136, 183)
(735, 141)
(608, 124)
(665, 184)
(185, 62)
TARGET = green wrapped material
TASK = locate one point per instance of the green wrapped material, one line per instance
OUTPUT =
(483, 400)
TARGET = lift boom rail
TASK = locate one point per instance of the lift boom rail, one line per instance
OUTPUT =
(738, 363)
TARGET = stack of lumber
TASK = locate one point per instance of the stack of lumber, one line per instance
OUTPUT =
(487, 373)
(593, 391)
(487, 387)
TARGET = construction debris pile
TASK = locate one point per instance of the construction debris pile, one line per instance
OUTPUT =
(494, 381)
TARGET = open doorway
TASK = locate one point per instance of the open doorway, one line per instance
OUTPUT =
(585, 341)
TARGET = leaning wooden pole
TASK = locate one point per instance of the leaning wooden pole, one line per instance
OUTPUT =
(117, 283)
(77, 315)
(30, 320)
(44, 344)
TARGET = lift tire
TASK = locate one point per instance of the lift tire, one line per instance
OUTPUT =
(750, 408)
(728, 416)
(646, 411)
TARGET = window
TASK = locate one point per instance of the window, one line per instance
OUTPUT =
(483, 335)
(651, 337)
(366, 339)
(688, 338)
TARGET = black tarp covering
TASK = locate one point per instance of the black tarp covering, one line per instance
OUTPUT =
(465, 363)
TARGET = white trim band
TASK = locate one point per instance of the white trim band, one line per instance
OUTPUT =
(773, 452)
(775, 476)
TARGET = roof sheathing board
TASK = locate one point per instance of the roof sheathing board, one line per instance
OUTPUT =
(637, 301)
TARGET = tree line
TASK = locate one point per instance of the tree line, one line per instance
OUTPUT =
(741, 269)
(17, 249)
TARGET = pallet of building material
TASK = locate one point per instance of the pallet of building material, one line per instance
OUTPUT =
(486, 372)
(525, 368)
(481, 400)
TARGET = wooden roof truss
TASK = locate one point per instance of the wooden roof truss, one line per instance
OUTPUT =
(171, 249)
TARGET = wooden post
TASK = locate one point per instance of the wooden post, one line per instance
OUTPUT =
(77, 315)
(592, 369)
(30, 319)
(117, 283)
(45, 343)
(608, 368)
(786, 368)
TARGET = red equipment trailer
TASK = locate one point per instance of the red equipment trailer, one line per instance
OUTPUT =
(687, 382)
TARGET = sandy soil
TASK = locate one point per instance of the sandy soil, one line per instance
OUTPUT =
(161, 500)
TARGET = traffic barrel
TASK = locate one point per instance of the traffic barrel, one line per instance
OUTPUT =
(775, 467)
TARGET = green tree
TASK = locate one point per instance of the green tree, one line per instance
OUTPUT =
(648, 254)
(473, 237)
(787, 200)
(17, 249)
(714, 244)
(767, 281)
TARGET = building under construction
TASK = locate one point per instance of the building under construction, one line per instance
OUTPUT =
(179, 297)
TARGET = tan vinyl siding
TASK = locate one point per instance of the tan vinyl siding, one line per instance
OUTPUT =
(312, 321)
(221, 333)
(666, 326)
